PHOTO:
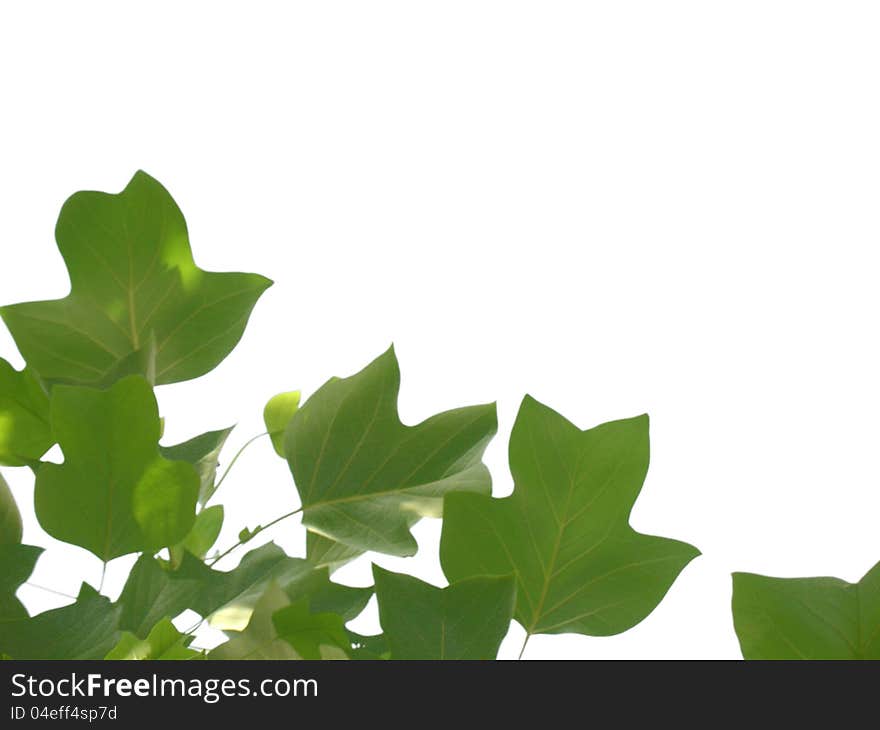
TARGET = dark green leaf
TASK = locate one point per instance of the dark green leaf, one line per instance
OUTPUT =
(277, 415)
(565, 531)
(807, 618)
(114, 494)
(363, 477)
(10, 517)
(24, 417)
(86, 629)
(368, 648)
(163, 643)
(466, 620)
(203, 452)
(325, 596)
(133, 281)
(16, 565)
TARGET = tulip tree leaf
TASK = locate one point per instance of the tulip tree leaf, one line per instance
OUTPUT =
(16, 565)
(323, 552)
(25, 434)
(164, 642)
(363, 477)
(202, 536)
(283, 629)
(277, 415)
(133, 282)
(564, 532)
(466, 620)
(807, 618)
(203, 452)
(86, 629)
(114, 494)
(154, 591)
(10, 517)
(259, 639)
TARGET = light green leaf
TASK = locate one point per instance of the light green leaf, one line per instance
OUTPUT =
(363, 477)
(114, 494)
(202, 536)
(282, 629)
(466, 620)
(259, 639)
(164, 642)
(203, 452)
(133, 281)
(807, 618)
(323, 552)
(86, 629)
(24, 417)
(16, 565)
(565, 531)
(312, 635)
(277, 415)
(10, 517)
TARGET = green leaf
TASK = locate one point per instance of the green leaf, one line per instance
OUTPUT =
(24, 417)
(565, 531)
(282, 629)
(323, 552)
(133, 282)
(164, 642)
(16, 565)
(277, 415)
(259, 639)
(363, 477)
(467, 620)
(153, 592)
(202, 536)
(325, 596)
(10, 517)
(114, 494)
(807, 618)
(85, 629)
(312, 635)
(203, 452)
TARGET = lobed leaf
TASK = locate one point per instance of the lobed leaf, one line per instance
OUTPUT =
(114, 494)
(16, 565)
(86, 629)
(138, 303)
(466, 620)
(564, 532)
(25, 434)
(364, 478)
(807, 618)
(203, 452)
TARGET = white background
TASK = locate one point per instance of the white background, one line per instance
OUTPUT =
(618, 207)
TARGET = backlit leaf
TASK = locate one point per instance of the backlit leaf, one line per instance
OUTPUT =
(86, 629)
(203, 452)
(114, 494)
(277, 415)
(24, 417)
(466, 620)
(133, 283)
(10, 517)
(164, 642)
(16, 565)
(807, 618)
(564, 533)
(363, 477)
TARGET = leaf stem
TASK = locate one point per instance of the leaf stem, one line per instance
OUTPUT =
(252, 535)
(232, 463)
(49, 590)
(103, 576)
(523, 648)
